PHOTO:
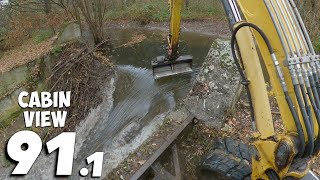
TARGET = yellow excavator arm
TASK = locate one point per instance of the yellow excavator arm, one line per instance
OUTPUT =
(268, 34)
(271, 34)
(172, 63)
(175, 21)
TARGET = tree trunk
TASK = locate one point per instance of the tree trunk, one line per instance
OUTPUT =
(94, 13)
(47, 6)
(187, 4)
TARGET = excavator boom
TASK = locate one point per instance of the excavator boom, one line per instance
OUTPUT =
(172, 63)
(271, 34)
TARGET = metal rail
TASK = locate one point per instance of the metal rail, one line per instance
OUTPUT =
(162, 148)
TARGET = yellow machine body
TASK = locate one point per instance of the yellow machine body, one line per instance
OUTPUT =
(254, 55)
(250, 43)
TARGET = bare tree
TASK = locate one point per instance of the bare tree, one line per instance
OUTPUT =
(94, 12)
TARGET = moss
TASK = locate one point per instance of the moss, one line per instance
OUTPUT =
(42, 35)
(9, 116)
(56, 50)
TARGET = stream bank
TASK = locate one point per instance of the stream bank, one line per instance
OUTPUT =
(218, 28)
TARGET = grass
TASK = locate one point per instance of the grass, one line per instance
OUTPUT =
(56, 50)
(317, 45)
(42, 35)
(155, 10)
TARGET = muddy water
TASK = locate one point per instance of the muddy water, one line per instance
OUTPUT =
(138, 103)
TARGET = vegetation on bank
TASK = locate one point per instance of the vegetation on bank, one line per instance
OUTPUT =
(155, 10)
(309, 11)
(41, 19)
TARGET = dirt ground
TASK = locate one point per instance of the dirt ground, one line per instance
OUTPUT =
(25, 53)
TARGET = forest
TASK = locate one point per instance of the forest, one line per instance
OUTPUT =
(39, 20)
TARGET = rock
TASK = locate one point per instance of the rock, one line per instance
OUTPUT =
(220, 75)
(179, 115)
(72, 32)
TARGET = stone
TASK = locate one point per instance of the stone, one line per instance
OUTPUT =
(220, 74)
(71, 33)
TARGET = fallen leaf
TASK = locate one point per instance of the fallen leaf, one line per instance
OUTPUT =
(141, 162)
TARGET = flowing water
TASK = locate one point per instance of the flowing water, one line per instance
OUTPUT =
(140, 103)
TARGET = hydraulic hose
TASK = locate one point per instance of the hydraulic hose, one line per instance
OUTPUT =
(313, 84)
(316, 87)
(316, 106)
(284, 87)
(245, 82)
(296, 80)
(310, 145)
(303, 104)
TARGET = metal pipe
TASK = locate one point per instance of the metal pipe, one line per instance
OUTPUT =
(305, 110)
(305, 51)
(291, 33)
(295, 28)
(232, 12)
(280, 33)
(283, 29)
(235, 10)
(299, 26)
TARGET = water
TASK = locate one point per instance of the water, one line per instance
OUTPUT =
(138, 98)
(140, 103)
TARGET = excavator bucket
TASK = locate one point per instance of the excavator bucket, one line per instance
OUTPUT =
(164, 68)
(169, 65)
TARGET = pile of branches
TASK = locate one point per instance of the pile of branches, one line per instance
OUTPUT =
(81, 71)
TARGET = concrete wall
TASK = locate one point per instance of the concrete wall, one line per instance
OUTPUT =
(17, 80)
